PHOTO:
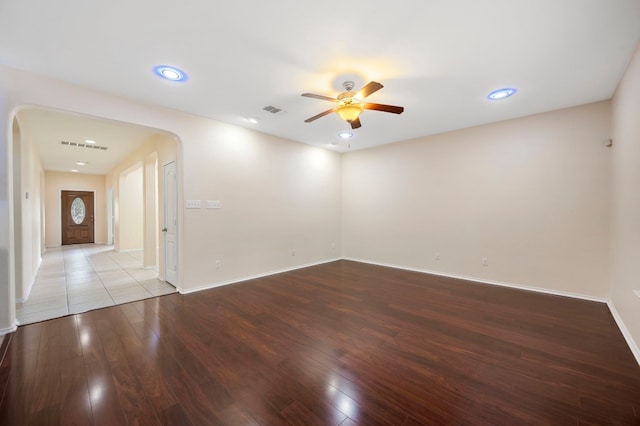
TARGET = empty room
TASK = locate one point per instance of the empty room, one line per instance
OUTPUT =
(423, 212)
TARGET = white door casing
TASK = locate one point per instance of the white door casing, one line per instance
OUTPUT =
(170, 228)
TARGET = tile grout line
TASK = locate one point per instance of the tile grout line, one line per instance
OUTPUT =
(100, 278)
(84, 261)
(134, 278)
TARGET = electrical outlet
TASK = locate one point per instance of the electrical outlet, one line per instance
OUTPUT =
(217, 264)
(485, 261)
(437, 256)
(293, 252)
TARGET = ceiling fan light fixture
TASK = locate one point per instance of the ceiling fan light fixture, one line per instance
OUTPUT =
(349, 104)
(349, 112)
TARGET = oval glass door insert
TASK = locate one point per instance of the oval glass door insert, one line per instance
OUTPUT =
(78, 211)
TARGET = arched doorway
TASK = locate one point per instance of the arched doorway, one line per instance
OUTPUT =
(56, 150)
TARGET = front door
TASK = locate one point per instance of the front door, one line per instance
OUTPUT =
(77, 217)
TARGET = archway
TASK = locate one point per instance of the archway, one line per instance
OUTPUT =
(30, 155)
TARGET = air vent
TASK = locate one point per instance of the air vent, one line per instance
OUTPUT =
(274, 110)
(83, 145)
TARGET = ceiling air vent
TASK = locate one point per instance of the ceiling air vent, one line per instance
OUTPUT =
(84, 145)
(274, 110)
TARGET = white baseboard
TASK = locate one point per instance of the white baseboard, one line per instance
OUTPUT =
(621, 325)
(625, 331)
(491, 282)
(30, 286)
(423, 271)
(8, 330)
(616, 316)
(251, 277)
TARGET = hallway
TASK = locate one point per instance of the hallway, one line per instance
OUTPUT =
(80, 278)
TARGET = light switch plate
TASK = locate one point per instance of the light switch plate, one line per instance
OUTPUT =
(214, 204)
(194, 204)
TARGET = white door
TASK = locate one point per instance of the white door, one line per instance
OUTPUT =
(170, 229)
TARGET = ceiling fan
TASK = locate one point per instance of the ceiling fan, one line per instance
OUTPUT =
(349, 104)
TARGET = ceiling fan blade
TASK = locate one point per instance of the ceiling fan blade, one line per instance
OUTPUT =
(356, 123)
(322, 114)
(324, 98)
(370, 88)
(386, 108)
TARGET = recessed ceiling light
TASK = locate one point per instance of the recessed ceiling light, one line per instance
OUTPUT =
(170, 73)
(74, 170)
(82, 163)
(501, 94)
(252, 120)
(345, 135)
(89, 141)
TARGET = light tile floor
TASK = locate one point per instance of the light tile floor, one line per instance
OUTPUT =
(82, 277)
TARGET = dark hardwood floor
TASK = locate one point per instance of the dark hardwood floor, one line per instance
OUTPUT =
(343, 343)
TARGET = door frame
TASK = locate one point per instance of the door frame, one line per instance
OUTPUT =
(94, 209)
(164, 223)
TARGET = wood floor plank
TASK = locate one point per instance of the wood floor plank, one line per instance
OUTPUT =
(194, 402)
(14, 407)
(341, 343)
(174, 415)
(155, 388)
(75, 404)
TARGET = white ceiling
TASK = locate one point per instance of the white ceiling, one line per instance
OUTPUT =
(437, 58)
(47, 130)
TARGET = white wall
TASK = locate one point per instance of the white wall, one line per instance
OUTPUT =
(7, 273)
(530, 194)
(18, 207)
(151, 211)
(625, 235)
(130, 225)
(28, 210)
(276, 195)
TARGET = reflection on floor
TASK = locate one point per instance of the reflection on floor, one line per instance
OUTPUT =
(79, 278)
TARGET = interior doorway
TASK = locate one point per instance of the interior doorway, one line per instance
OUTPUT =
(77, 217)
(106, 149)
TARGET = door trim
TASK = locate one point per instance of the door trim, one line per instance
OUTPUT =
(95, 205)
(172, 279)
